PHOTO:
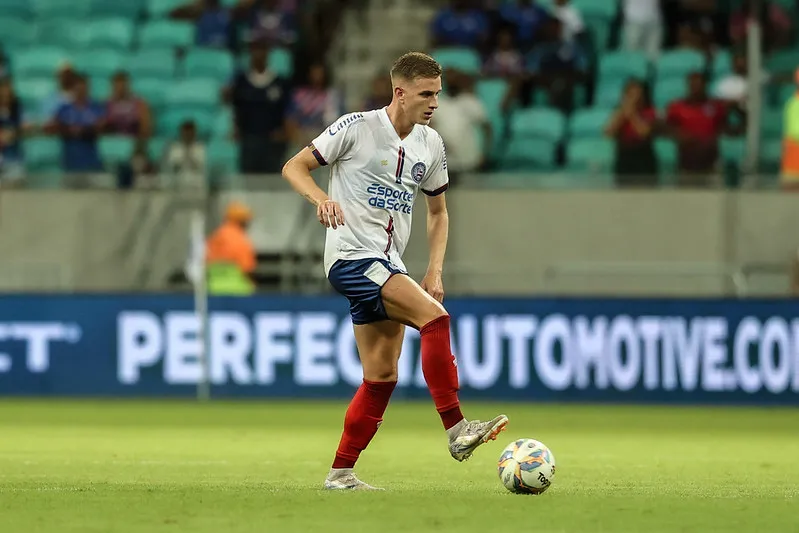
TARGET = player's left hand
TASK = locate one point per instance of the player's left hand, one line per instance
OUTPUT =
(433, 286)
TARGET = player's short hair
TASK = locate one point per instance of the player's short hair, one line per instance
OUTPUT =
(414, 65)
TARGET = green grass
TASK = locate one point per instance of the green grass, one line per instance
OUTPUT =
(256, 467)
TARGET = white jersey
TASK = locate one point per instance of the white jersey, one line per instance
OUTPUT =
(375, 177)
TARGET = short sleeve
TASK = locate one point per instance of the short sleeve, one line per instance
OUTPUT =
(338, 141)
(437, 180)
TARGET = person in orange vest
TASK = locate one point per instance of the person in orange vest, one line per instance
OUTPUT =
(790, 142)
(230, 256)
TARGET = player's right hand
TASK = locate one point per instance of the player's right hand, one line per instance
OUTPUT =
(329, 214)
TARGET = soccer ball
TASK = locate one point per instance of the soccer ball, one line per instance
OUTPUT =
(526, 466)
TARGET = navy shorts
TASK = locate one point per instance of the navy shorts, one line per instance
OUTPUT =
(360, 281)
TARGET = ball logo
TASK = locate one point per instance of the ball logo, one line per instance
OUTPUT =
(417, 172)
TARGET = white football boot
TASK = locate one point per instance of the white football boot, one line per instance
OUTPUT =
(345, 479)
(464, 440)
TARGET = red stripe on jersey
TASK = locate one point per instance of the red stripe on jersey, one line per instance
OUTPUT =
(400, 164)
(390, 232)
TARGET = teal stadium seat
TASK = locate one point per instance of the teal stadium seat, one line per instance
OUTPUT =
(528, 155)
(783, 62)
(156, 148)
(678, 64)
(168, 122)
(623, 65)
(589, 123)
(491, 93)
(153, 90)
(216, 64)
(166, 34)
(771, 156)
(197, 92)
(153, 63)
(115, 149)
(15, 32)
(223, 124)
(666, 153)
(281, 62)
(60, 8)
(100, 63)
(66, 33)
(463, 59)
(609, 93)
(116, 33)
(590, 155)
(161, 8)
(31, 91)
(771, 123)
(101, 89)
(599, 16)
(15, 8)
(733, 149)
(130, 9)
(42, 154)
(722, 64)
(668, 90)
(538, 123)
(223, 156)
(39, 61)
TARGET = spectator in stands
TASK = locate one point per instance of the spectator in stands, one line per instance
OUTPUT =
(126, 113)
(460, 119)
(696, 123)
(527, 17)
(212, 19)
(633, 126)
(381, 93)
(185, 160)
(734, 87)
(505, 61)
(11, 129)
(230, 255)
(570, 17)
(557, 66)
(691, 37)
(267, 20)
(643, 26)
(260, 100)
(79, 123)
(461, 24)
(313, 107)
(66, 78)
(776, 29)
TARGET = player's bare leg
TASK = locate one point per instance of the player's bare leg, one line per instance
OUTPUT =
(405, 301)
(379, 346)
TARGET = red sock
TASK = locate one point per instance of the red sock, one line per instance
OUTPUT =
(363, 417)
(440, 371)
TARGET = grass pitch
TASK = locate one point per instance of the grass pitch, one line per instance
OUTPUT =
(80, 466)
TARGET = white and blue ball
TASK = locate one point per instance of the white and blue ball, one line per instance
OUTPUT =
(526, 466)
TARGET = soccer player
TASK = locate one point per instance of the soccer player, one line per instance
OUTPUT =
(380, 160)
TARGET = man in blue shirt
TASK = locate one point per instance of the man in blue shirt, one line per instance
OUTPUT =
(460, 25)
(79, 123)
(557, 66)
(527, 17)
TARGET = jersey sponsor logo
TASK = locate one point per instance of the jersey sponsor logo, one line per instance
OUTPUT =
(343, 123)
(417, 172)
(389, 198)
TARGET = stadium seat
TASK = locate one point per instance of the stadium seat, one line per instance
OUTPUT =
(42, 154)
(771, 156)
(115, 149)
(771, 123)
(590, 155)
(67, 33)
(40, 61)
(784, 93)
(623, 65)
(152, 63)
(783, 62)
(678, 64)
(60, 8)
(114, 33)
(153, 90)
(666, 153)
(161, 8)
(168, 122)
(156, 148)
(541, 123)
(526, 155)
(722, 63)
(491, 93)
(15, 32)
(99, 63)
(223, 156)
(589, 123)
(281, 62)
(194, 92)
(666, 91)
(216, 64)
(15, 8)
(130, 9)
(223, 124)
(463, 59)
(31, 92)
(733, 149)
(166, 34)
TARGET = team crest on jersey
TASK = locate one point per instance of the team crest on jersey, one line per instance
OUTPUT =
(417, 172)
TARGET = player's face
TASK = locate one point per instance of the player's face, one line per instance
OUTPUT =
(421, 99)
